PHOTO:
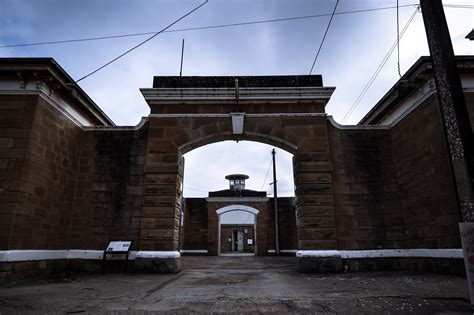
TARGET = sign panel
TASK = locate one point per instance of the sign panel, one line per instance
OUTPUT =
(467, 240)
(249, 241)
(118, 246)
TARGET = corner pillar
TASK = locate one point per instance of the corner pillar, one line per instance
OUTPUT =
(315, 214)
(159, 233)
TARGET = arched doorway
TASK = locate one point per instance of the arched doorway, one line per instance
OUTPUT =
(237, 238)
(286, 112)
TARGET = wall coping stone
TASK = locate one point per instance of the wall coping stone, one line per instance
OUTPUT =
(196, 96)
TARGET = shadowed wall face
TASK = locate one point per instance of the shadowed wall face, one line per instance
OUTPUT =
(429, 212)
(118, 184)
(16, 121)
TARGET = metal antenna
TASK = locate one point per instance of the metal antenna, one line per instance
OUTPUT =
(237, 91)
(182, 54)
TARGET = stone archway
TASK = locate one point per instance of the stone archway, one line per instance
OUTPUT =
(236, 207)
(287, 112)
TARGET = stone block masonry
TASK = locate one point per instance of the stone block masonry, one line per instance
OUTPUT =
(70, 180)
(117, 184)
(428, 214)
(366, 188)
(50, 170)
(16, 121)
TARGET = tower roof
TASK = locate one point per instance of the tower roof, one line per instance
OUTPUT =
(237, 176)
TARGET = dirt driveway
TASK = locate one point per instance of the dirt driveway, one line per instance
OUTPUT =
(242, 285)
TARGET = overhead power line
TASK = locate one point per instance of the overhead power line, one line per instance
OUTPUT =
(266, 175)
(190, 188)
(143, 42)
(204, 27)
(324, 37)
(378, 70)
(65, 41)
(398, 41)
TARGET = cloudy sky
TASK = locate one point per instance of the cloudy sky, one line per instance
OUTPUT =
(354, 48)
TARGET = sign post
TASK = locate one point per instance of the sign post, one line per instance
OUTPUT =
(117, 247)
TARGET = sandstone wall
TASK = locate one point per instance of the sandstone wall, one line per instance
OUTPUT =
(116, 184)
(16, 120)
(63, 186)
(365, 187)
(51, 169)
(195, 224)
(287, 229)
(428, 216)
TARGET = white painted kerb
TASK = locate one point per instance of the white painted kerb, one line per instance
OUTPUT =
(155, 254)
(31, 255)
(385, 253)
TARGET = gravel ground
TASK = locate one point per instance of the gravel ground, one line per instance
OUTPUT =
(241, 285)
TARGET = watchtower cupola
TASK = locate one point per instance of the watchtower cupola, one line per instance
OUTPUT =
(236, 181)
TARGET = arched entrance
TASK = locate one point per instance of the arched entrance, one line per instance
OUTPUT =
(286, 112)
(234, 208)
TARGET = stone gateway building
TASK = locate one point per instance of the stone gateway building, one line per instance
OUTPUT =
(70, 180)
(204, 232)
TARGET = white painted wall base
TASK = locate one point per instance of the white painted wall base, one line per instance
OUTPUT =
(385, 253)
(32, 255)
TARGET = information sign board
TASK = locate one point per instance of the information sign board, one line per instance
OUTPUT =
(119, 246)
(116, 247)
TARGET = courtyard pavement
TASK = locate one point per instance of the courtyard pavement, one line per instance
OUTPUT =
(241, 285)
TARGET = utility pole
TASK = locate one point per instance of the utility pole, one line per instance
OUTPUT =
(275, 202)
(452, 104)
(181, 212)
(457, 127)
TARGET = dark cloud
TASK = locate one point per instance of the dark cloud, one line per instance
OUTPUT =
(354, 47)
